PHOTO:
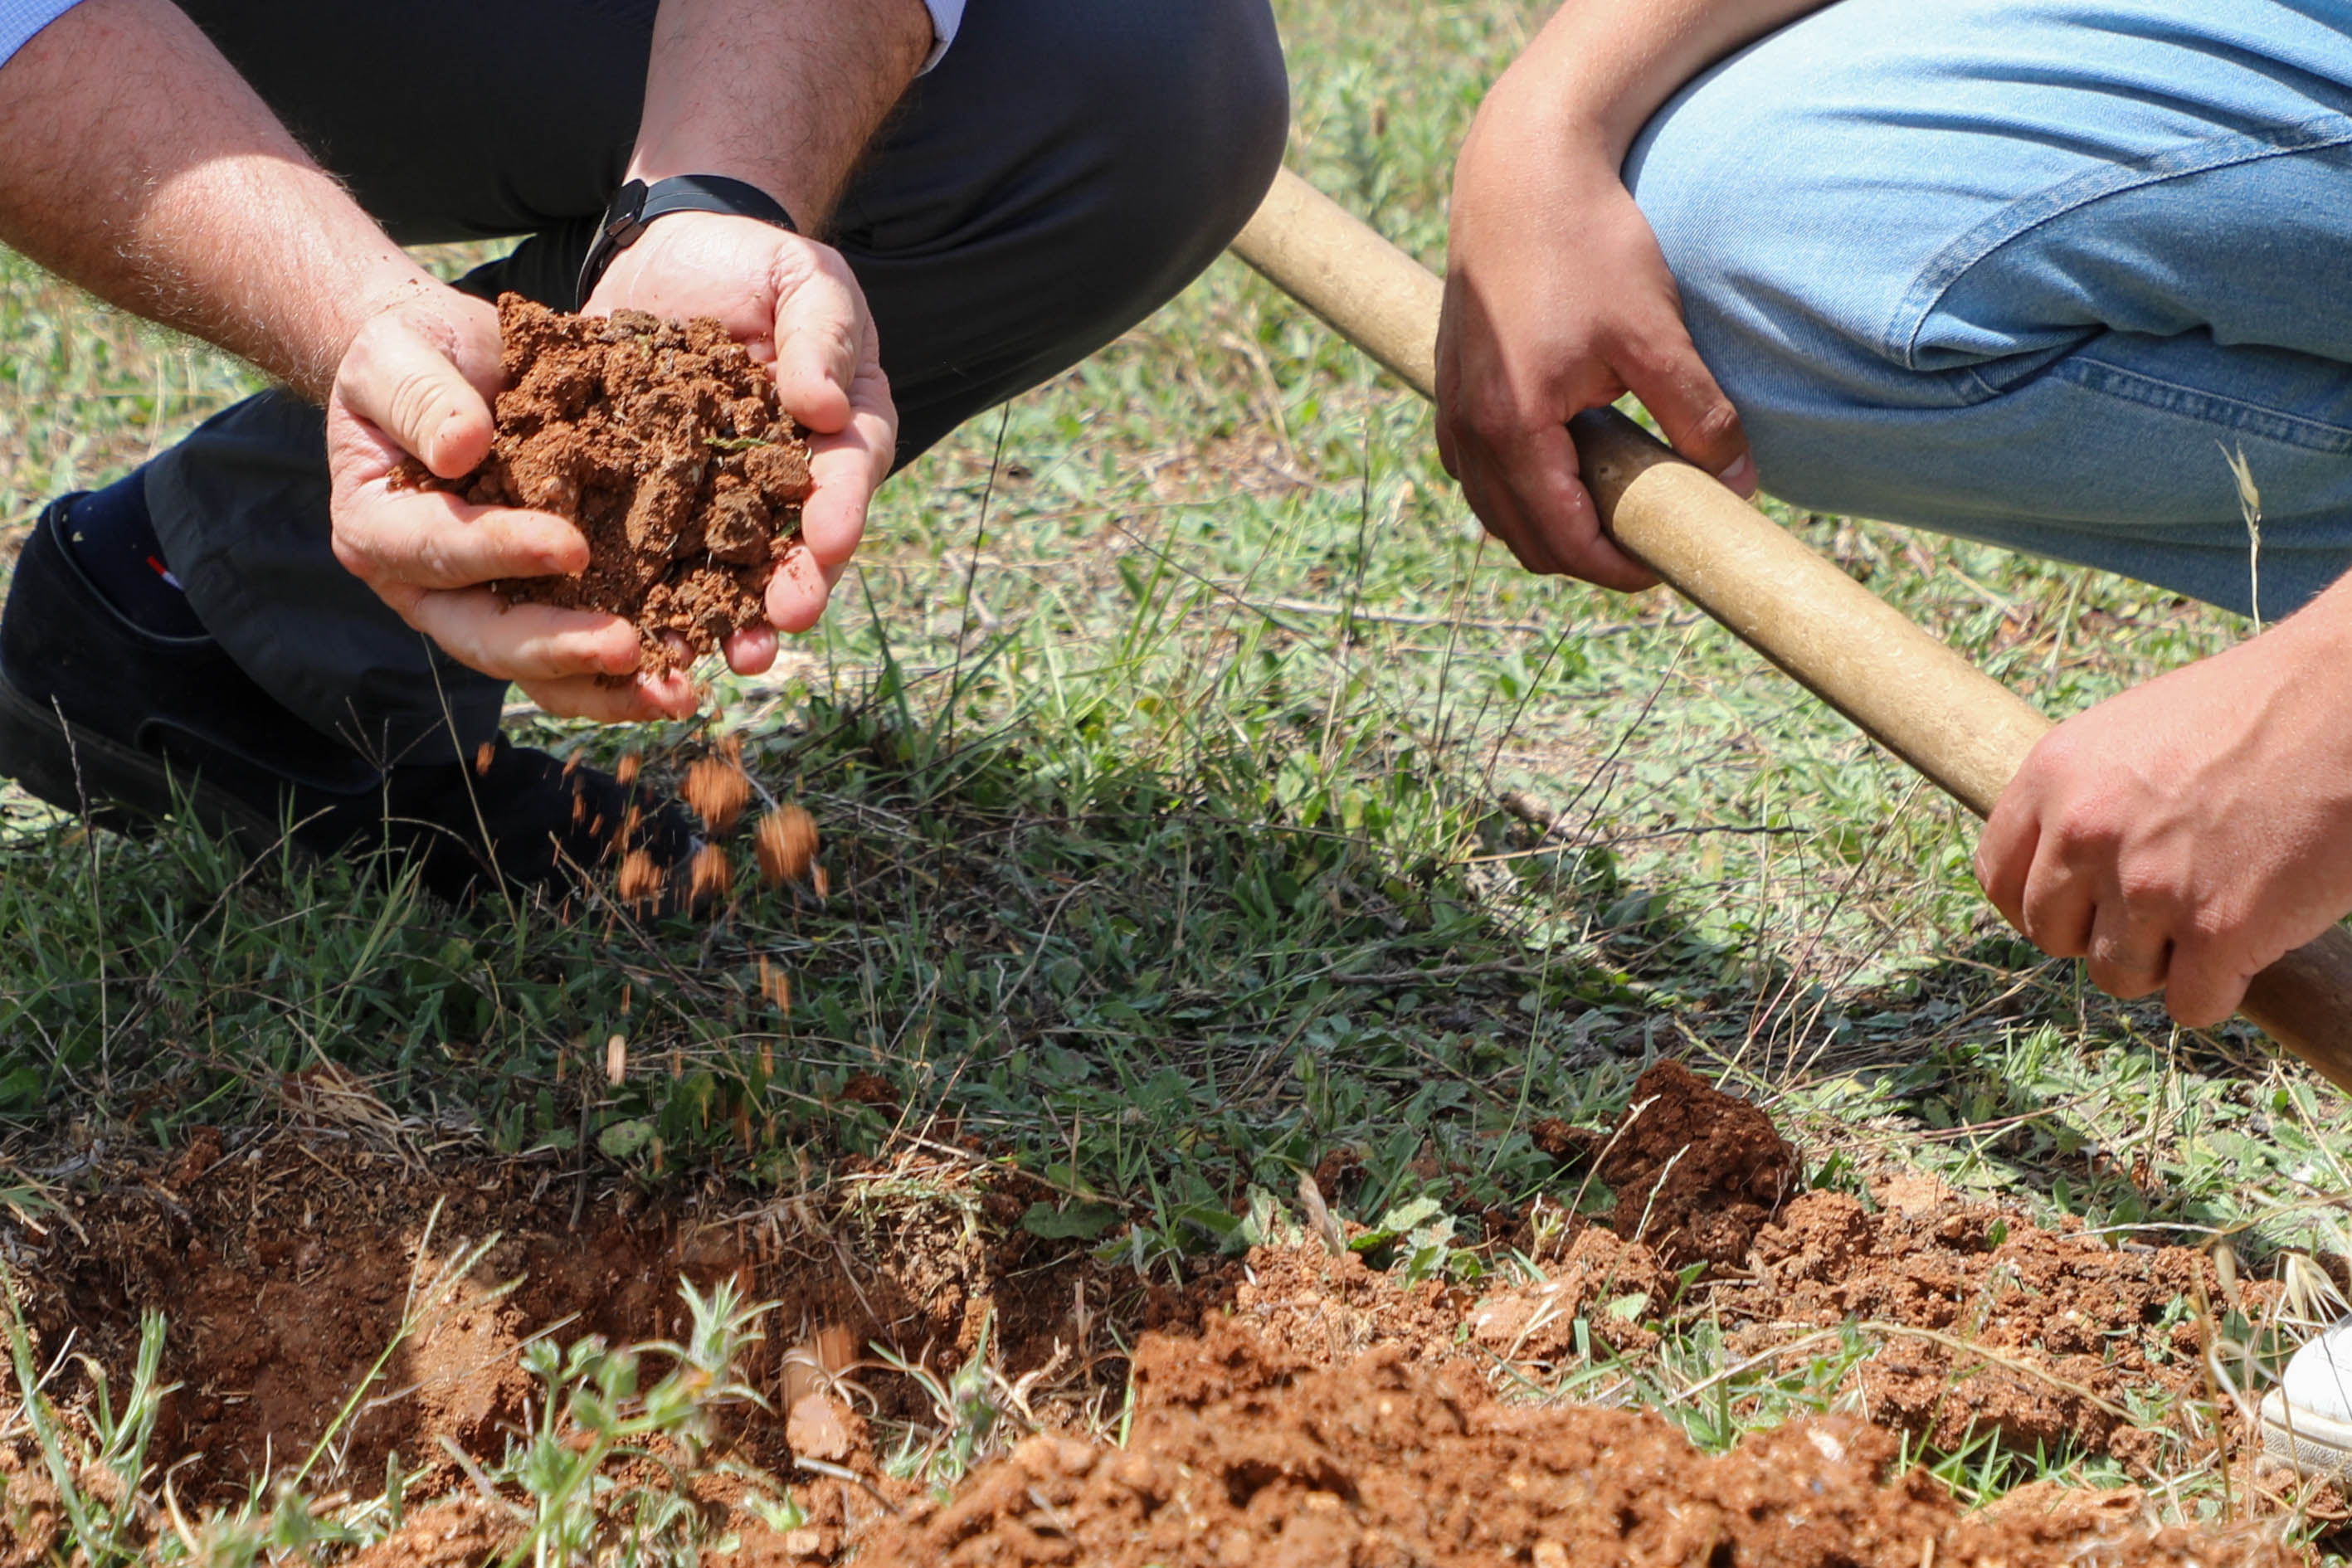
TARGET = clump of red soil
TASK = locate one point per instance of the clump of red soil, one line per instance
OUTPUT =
(665, 444)
(2036, 1336)
(1696, 1172)
(1241, 1453)
(1616, 1287)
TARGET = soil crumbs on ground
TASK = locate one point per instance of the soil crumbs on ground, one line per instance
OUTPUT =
(1291, 1407)
(665, 444)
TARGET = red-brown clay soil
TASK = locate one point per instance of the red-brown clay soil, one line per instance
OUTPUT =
(1242, 1454)
(665, 443)
(1696, 1172)
(1991, 1325)
(1290, 1407)
(2038, 1336)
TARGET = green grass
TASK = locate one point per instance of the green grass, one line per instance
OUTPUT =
(1180, 749)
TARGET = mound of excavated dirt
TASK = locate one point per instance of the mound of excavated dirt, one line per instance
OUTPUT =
(1242, 1454)
(1294, 1407)
(2037, 1336)
(667, 446)
(1696, 1172)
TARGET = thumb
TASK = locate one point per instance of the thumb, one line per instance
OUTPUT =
(823, 341)
(399, 379)
(1697, 420)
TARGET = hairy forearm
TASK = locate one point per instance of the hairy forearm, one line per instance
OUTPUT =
(781, 93)
(1599, 68)
(141, 167)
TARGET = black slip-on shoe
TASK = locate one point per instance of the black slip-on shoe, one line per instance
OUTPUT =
(120, 726)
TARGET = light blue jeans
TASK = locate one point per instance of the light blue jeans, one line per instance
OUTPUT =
(2023, 270)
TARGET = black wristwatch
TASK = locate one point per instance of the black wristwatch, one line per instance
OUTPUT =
(639, 203)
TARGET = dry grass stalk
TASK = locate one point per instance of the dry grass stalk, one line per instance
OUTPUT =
(626, 768)
(813, 1365)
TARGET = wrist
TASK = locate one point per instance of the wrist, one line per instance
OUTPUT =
(317, 338)
(808, 206)
(1534, 112)
(638, 204)
(387, 288)
(1572, 89)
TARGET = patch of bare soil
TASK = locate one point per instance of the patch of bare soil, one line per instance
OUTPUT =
(286, 1269)
(1245, 1453)
(1991, 1325)
(1293, 1406)
(665, 444)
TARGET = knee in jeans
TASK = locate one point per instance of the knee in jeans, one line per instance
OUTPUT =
(1778, 319)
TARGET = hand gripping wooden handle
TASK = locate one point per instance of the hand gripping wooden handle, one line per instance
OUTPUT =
(1966, 731)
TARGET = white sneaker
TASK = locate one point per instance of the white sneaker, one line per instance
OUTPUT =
(2307, 1419)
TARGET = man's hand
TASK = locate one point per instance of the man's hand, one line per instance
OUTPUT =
(792, 303)
(781, 93)
(417, 379)
(2189, 833)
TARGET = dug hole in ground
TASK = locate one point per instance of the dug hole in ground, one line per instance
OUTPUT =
(936, 1383)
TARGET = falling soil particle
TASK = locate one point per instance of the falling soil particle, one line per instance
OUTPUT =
(1696, 1172)
(640, 881)
(785, 843)
(667, 446)
(1244, 1453)
(717, 789)
(713, 877)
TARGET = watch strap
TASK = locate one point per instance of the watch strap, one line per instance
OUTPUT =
(637, 203)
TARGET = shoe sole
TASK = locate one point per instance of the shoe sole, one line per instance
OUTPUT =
(2312, 1445)
(108, 783)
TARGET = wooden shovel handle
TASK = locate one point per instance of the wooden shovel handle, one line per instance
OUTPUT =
(1966, 731)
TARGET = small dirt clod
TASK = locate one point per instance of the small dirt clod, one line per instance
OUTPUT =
(714, 876)
(1696, 1172)
(786, 843)
(640, 881)
(718, 789)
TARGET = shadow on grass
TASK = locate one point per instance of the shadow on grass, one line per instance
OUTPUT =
(1152, 984)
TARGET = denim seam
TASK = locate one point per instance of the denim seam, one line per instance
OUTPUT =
(1977, 245)
(2194, 403)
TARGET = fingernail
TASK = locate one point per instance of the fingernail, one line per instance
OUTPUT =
(1741, 475)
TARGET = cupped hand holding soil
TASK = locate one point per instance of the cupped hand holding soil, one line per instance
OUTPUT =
(666, 445)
